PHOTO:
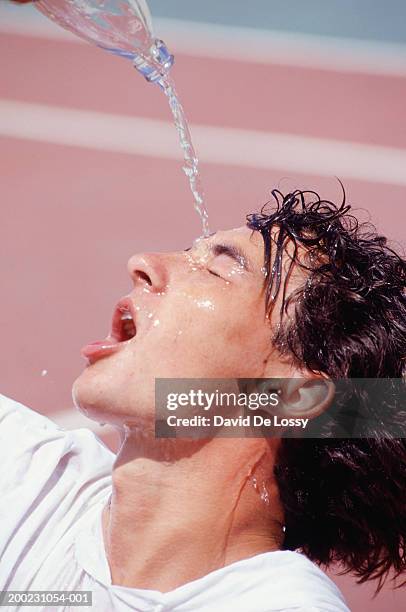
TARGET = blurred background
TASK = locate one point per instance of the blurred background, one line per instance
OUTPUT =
(279, 94)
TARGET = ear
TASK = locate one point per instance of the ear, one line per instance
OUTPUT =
(302, 393)
(305, 397)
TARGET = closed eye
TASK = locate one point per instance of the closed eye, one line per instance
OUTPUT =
(214, 273)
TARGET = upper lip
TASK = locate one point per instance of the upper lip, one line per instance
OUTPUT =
(124, 305)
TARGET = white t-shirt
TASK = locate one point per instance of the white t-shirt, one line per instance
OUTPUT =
(53, 486)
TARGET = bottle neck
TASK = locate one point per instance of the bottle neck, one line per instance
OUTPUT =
(156, 65)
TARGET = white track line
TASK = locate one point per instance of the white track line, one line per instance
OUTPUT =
(241, 44)
(226, 146)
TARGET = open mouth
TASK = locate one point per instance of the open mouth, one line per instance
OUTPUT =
(128, 329)
(123, 325)
(123, 329)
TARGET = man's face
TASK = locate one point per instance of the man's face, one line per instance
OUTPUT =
(198, 313)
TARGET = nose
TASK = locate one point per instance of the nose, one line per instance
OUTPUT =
(148, 270)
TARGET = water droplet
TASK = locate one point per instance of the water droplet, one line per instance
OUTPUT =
(264, 495)
(44, 373)
(254, 482)
(261, 490)
(205, 304)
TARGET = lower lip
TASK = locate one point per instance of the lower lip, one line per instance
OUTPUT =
(96, 350)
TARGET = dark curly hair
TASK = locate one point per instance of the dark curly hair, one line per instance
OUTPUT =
(344, 499)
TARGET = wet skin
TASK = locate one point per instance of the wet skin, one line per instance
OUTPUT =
(199, 313)
(181, 509)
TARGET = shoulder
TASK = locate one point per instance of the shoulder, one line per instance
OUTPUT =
(291, 582)
(13, 415)
(27, 436)
(24, 435)
(37, 456)
(278, 581)
(49, 478)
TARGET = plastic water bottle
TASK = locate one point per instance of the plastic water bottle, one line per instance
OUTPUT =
(121, 27)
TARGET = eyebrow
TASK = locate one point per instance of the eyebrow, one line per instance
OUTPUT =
(230, 250)
(233, 252)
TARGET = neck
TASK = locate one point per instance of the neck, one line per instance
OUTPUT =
(181, 509)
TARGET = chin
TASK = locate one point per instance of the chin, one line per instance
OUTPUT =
(92, 392)
(102, 397)
(88, 396)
